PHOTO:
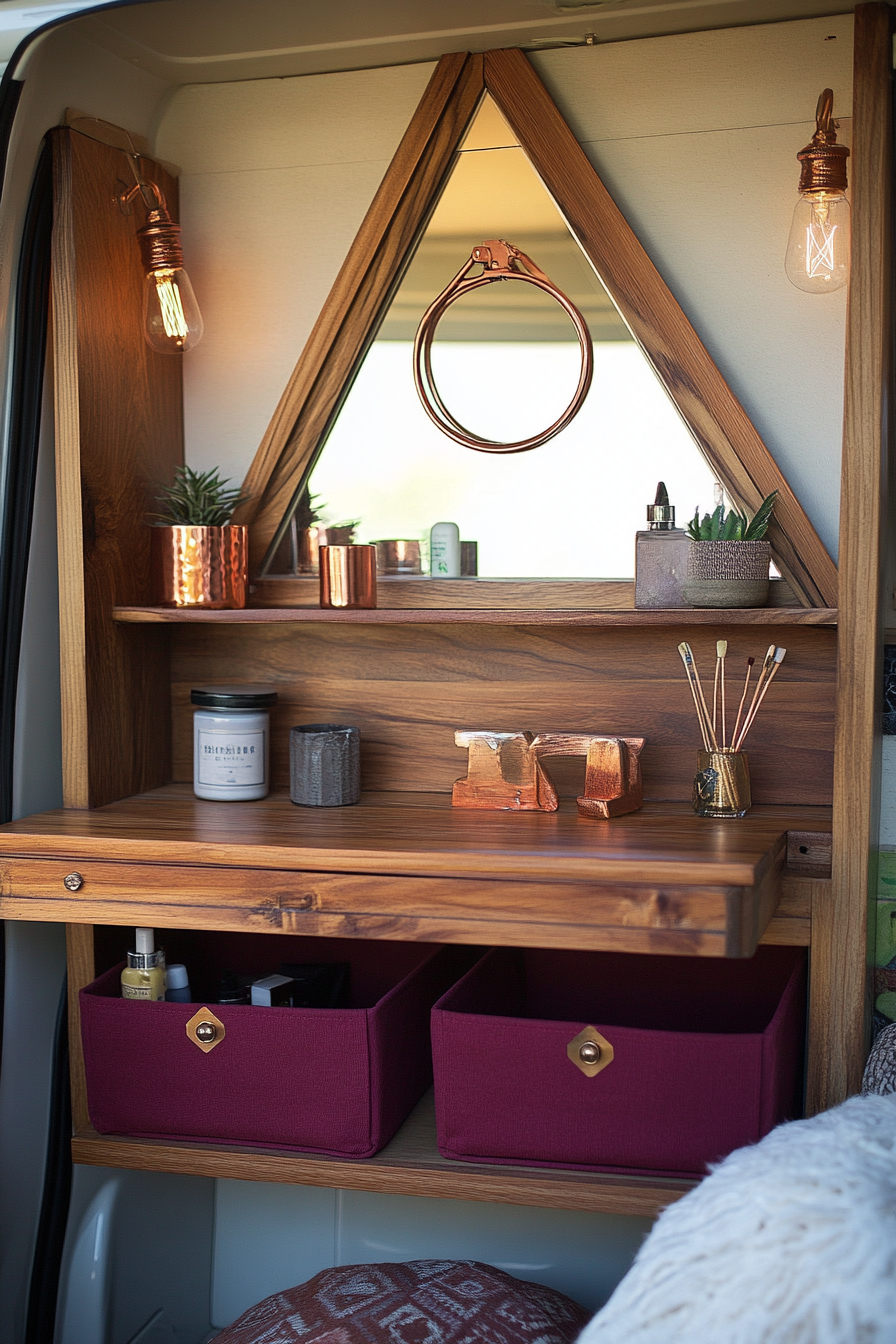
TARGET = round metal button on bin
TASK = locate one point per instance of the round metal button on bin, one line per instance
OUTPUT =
(589, 1053)
(73, 881)
(205, 1032)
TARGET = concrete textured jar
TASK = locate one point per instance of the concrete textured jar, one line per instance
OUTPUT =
(324, 765)
(727, 574)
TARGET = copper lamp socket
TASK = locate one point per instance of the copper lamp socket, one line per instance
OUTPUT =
(823, 161)
(160, 245)
(348, 576)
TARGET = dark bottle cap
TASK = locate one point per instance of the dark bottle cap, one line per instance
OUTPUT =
(234, 697)
(230, 990)
(661, 514)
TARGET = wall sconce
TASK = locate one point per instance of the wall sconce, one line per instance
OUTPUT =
(817, 258)
(172, 322)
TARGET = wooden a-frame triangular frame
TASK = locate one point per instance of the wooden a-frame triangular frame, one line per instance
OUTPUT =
(385, 242)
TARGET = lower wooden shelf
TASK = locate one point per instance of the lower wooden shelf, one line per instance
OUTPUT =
(410, 1165)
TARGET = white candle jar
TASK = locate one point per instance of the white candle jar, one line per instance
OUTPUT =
(231, 742)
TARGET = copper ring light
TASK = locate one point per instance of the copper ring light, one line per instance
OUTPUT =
(500, 261)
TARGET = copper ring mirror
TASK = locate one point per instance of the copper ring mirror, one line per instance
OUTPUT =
(501, 261)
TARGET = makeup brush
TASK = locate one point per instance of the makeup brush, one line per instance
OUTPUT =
(687, 658)
(776, 662)
(721, 652)
(740, 708)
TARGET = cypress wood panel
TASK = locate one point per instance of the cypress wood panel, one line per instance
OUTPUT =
(841, 984)
(409, 688)
(119, 428)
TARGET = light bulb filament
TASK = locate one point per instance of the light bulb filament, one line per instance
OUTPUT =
(820, 245)
(171, 306)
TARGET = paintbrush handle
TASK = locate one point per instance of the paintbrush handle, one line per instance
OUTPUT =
(748, 723)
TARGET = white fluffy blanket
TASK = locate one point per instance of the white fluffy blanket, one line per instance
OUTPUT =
(792, 1241)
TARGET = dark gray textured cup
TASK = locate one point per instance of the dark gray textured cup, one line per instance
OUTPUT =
(324, 765)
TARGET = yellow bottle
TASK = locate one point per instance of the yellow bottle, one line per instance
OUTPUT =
(144, 975)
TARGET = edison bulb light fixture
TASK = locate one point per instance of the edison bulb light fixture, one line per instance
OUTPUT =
(817, 259)
(172, 322)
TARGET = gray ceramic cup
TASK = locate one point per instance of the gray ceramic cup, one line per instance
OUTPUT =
(324, 765)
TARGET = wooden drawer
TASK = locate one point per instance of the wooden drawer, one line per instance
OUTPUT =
(691, 920)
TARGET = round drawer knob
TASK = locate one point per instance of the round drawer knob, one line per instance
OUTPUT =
(206, 1032)
(73, 881)
(589, 1053)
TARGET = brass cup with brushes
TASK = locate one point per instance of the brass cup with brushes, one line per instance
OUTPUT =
(722, 781)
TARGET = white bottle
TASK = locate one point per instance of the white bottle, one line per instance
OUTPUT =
(231, 742)
(444, 551)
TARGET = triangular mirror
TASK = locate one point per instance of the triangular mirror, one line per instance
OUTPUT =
(506, 360)
(395, 252)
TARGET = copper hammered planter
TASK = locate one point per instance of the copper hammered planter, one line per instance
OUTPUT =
(200, 566)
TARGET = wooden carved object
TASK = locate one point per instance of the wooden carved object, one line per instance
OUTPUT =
(505, 772)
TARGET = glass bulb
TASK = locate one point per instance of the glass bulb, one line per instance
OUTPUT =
(817, 258)
(172, 321)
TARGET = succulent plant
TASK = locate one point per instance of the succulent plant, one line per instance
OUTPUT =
(198, 499)
(308, 510)
(733, 525)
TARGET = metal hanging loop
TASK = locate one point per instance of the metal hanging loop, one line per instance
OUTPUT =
(500, 260)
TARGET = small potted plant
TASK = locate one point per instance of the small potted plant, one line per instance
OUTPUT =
(729, 557)
(199, 558)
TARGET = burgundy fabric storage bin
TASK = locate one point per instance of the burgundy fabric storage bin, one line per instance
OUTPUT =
(337, 1081)
(707, 1057)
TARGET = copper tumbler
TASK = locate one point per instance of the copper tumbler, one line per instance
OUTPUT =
(200, 566)
(348, 576)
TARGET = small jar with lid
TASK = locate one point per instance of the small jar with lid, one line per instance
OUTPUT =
(231, 742)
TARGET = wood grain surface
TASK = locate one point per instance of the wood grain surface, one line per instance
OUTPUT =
(472, 616)
(409, 688)
(119, 433)
(715, 417)
(410, 1165)
(81, 968)
(363, 287)
(839, 963)
(490, 594)
(409, 868)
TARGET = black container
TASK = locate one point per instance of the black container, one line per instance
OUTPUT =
(324, 765)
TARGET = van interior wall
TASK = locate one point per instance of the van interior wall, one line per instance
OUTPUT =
(696, 135)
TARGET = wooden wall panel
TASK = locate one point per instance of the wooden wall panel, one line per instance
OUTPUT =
(408, 688)
(119, 429)
(841, 985)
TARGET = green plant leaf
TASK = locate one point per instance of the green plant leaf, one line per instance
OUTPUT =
(198, 499)
(758, 525)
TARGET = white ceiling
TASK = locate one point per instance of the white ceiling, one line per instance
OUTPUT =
(190, 41)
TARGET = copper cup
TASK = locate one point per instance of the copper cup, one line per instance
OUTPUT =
(348, 576)
(200, 566)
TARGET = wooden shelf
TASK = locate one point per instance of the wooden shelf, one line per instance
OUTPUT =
(782, 616)
(408, 866)
(410, 1165)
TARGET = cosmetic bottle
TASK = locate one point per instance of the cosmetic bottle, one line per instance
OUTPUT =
(444, 551)
(144, 975)
(178, 983)
(661, 556)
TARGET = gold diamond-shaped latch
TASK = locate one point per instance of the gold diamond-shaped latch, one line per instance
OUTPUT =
(590, 1051)
(205, 1030)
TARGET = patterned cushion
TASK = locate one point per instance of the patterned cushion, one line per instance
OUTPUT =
(420, 1302)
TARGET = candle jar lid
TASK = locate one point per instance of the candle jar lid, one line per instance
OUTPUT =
(233, 697)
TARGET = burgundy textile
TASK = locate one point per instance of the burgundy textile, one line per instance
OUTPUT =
(421, 1302)
(337, 1081)
(707, 1057)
